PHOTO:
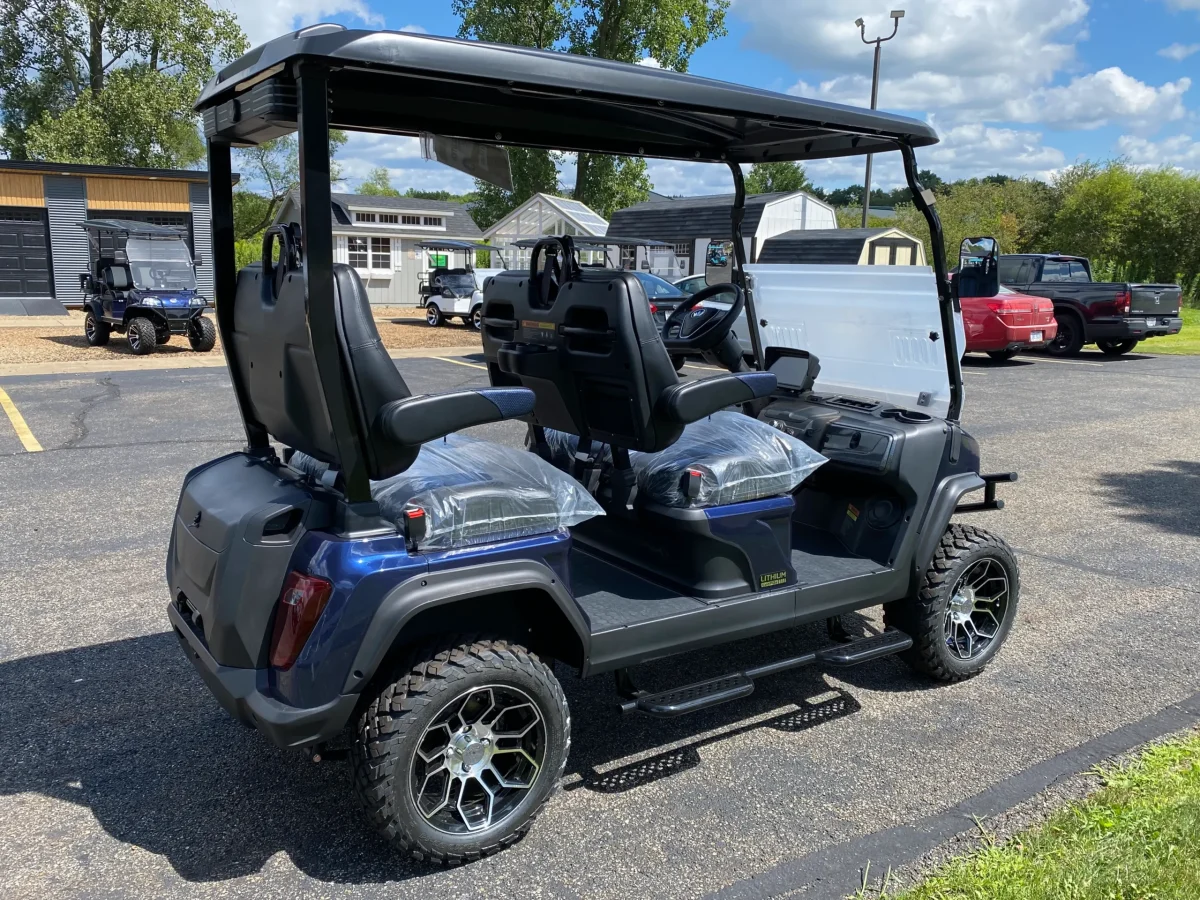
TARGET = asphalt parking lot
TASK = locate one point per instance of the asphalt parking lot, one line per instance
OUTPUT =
(121, 777)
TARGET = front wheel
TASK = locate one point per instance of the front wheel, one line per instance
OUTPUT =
(1116, 348)
(965, 606)
(142, 335)
(1002, 355)
(433, 315)
(476, 320)
(202, 334)
(96, 332)
(454, 759)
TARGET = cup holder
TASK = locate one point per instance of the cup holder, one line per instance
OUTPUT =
(905, 415)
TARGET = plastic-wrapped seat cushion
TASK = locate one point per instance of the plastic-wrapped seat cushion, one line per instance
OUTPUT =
(477, 492)
(738, 458)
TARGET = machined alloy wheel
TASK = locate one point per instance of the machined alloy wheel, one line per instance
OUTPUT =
(455, 757)
(142, 336)
(96, 332)
(977, 607)
(433, 315)
(965, 607)
(477, 318)
(478, 759)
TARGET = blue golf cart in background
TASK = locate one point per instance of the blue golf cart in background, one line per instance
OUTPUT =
(141, 282)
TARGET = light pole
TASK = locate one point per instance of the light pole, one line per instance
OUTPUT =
(897, 15)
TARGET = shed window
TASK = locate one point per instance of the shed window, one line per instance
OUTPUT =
(364, 217)
(388, 219)
(435, 221)
(684, 249)
(357, 250)
(381, 253)
(410, 220)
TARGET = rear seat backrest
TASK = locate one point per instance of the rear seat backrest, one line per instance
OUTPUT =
(594, 358)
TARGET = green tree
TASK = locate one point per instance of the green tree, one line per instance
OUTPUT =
(378, 184)
(109, 81)
(446, 196)
(273, 168)
(667, 31)
(767, 178)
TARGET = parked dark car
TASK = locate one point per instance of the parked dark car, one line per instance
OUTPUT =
(1114, 316)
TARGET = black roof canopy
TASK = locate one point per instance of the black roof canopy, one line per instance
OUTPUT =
(403, 83)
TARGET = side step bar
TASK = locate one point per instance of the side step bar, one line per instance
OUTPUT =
(715, 691)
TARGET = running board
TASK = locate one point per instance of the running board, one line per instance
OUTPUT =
(715, 691)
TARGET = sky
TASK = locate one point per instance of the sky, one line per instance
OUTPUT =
(1021, 87)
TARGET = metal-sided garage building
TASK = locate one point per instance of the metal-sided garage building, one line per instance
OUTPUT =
(42, 248)
(689, 223)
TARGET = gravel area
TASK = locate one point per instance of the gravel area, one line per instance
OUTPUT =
(402, 328)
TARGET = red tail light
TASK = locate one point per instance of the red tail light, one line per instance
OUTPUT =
(653, 308)
(1123, 301)
(1007, 305)
(300, 605)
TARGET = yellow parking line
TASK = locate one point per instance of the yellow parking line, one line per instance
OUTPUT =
(458, 362)
(28, 441)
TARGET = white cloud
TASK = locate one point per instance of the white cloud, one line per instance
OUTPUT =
(1179, 52)
(1102, 98)
(649, 62)
(263, 20)
(689, 178)
(1180, 151)
(414, 29)
(1184, 4)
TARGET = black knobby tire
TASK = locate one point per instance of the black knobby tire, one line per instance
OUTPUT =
(1069, 339)
(1116, 348)
(433, 315)
(162, 334)
(202, 334)
(476, 319)
(96, 332)
(1002, 355)
(142, 335)
(924, 616)
(393, 723)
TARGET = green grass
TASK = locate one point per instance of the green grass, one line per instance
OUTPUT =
(1138, 838)
(1186, 343)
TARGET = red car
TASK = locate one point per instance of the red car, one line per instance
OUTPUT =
(1004, 325)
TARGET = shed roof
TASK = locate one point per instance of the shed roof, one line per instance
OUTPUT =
(688, 218)
(42, 167)
(821, 246)
(459, 223)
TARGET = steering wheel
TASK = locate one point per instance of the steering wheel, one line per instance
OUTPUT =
(691, 328)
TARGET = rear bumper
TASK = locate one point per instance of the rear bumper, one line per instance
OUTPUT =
(242, 692)
(1011, 337)
(1133, 328)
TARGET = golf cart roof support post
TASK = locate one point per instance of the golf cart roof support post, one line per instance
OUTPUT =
(942, 277)
(316, 236)
(220, 188)
(736, 212)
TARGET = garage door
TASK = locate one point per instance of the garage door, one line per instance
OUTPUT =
(24, 253)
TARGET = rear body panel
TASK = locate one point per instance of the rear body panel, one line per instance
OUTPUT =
(1024, 322)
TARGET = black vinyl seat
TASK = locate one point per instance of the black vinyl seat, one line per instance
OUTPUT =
(584, 341)
(272, 351)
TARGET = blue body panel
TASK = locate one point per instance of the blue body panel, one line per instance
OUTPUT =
(363, 572)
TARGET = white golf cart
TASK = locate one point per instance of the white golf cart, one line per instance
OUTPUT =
(448, 293)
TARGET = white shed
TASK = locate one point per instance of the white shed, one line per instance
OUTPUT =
(689, 223)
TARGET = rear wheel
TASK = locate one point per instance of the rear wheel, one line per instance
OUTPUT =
(142, 335)
(162, 334)
(1002, 355)
(96, 332)
(1069, 339)
(454, 759)
(202, 334)
(1116, 348)
(433, 315)
(965, 606)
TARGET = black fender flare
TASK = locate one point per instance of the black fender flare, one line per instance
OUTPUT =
(424, 592)
(937, 515)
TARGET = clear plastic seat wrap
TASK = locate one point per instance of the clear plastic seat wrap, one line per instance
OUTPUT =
(738, 458)
(477, 492)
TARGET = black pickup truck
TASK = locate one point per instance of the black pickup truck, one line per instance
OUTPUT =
(1112, 315)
